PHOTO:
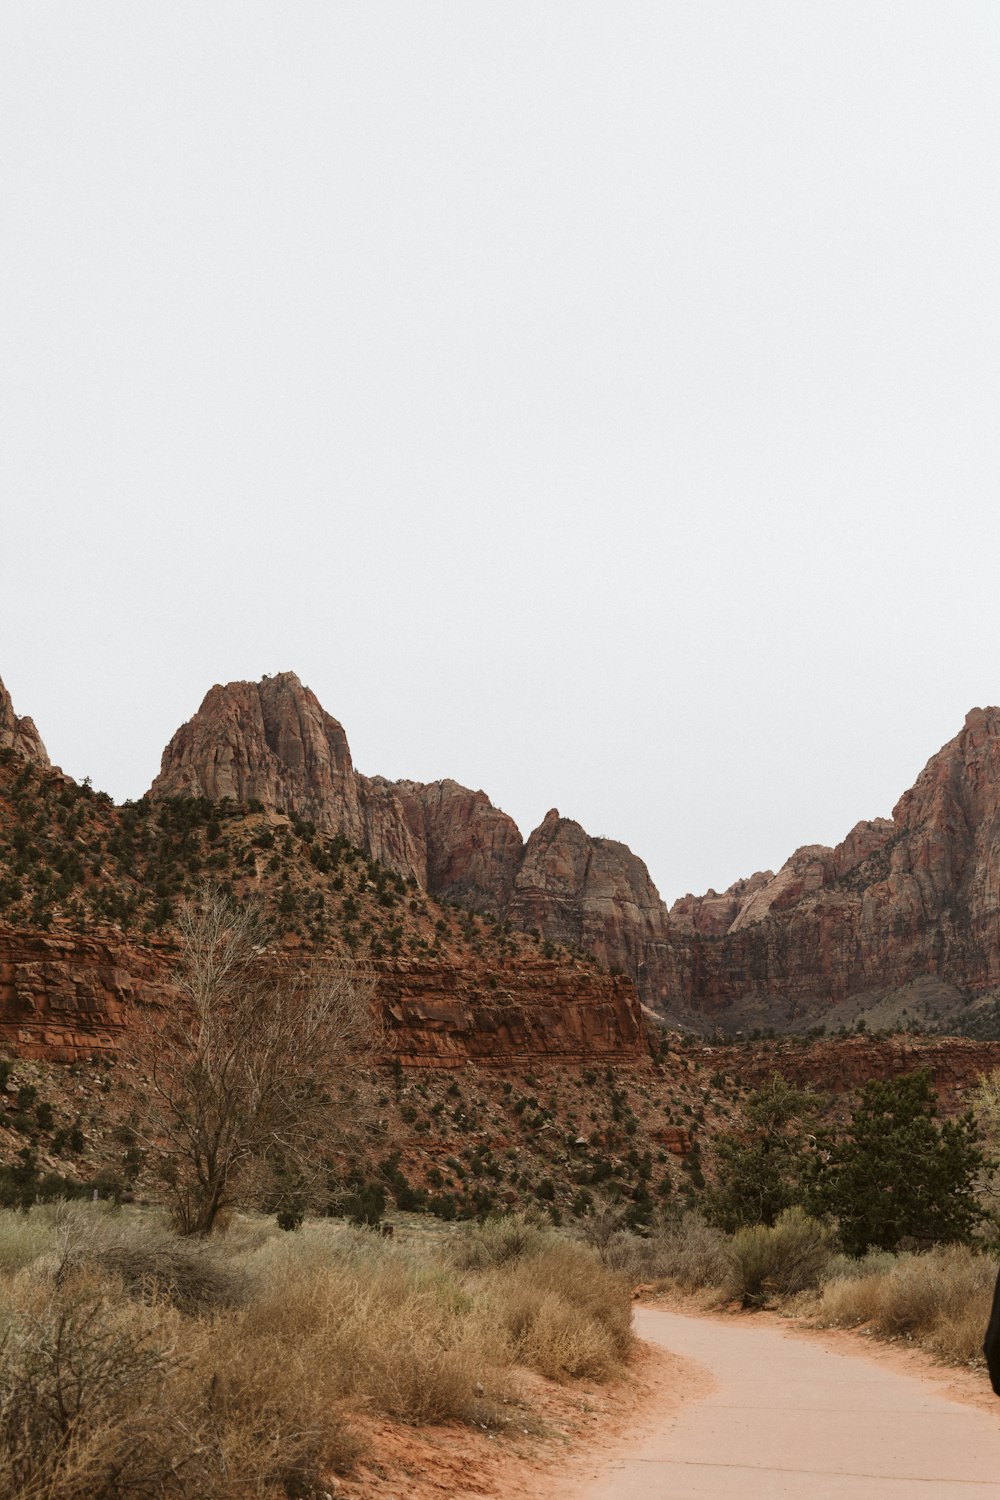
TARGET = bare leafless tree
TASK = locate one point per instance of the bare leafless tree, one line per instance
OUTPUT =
(258, 1067)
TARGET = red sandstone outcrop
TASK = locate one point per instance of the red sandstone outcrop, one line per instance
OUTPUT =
(918, 894)
(898, 899)
(269, 741)
(544, 1011)
(64, 997)
(20, 735)
(471, 850)
(840, 1064)
(595, 894)
(274, 742)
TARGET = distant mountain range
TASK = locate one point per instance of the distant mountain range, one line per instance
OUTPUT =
(901, 921)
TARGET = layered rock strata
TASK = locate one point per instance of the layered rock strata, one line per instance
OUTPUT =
(439, 1016)
(841, 1065)
(66, 998)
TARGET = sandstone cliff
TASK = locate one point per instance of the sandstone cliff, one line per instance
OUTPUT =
(839, 1065)
(272, 742)
(65, 997)
(898, 899)
(439, 1015)
(595, 894)
(20, 735)
(469, 851)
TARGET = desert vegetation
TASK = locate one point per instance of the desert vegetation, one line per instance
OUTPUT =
(938, 1299)
(135, 1362)
(70, 858)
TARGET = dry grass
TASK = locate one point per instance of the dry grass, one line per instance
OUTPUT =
(133, 1364)
(685, 1252)
(941, 1300)
(561, 1315)
(500, 1240)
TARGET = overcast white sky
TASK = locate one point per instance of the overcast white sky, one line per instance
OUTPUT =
(594, 403)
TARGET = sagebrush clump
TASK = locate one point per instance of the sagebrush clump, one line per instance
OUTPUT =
(134, 1363)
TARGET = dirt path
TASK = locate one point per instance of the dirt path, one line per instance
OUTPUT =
(788, 1417)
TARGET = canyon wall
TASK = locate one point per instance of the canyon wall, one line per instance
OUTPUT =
(66, 998)
(898, 899)
(542, 1012)
(272, 742)
(839, 1065)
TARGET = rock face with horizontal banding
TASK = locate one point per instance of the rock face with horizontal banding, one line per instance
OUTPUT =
(65, 997)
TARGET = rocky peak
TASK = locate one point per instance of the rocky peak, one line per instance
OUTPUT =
(274, 742)
(897, 899)
(270, 741)
(948, 824)
(714, 913)
(594, 893)
(472, 849)
(20, 735)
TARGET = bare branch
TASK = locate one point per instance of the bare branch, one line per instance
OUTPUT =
(240, 1078)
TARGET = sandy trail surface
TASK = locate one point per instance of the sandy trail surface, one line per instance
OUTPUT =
(786, 1416)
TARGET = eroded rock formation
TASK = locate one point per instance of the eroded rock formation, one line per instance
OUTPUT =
(439, 1015)
(273, 742)
(65, 997)
(20, 735)
(899, 898)
(595, 894)
(839, 1065)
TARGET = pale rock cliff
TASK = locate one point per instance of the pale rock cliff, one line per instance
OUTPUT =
(20, 735)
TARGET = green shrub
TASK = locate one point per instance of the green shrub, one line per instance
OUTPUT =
(788, 1257)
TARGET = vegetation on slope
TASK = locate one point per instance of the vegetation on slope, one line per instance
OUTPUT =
(69, 857)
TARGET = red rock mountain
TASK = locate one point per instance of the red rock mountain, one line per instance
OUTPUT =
(20, 735)
(899, 899)
(271, 741)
